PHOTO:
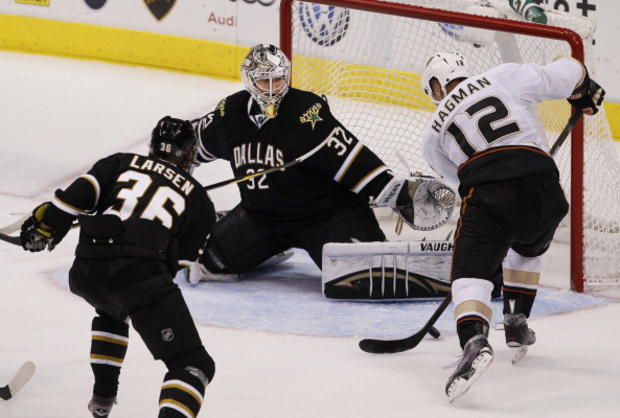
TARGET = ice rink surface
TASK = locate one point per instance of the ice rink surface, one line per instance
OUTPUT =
(276, 356)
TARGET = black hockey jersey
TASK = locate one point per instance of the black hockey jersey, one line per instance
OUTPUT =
(343, 173)
(135, 187)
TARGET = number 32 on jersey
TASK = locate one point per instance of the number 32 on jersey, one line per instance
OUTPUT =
(339, 140)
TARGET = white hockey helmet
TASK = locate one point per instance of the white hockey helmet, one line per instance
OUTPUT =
(266, 75)
(445, 67)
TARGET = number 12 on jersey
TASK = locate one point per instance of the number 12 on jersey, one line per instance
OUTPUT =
(487, 125)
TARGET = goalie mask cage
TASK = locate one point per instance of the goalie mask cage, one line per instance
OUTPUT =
(367, 57)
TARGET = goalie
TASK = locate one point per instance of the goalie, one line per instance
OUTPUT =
(326, 198)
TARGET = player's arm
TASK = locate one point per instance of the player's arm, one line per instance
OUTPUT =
(50, 221)
(564, 78)
(211, 140)
(343, 158)
(349, 162)
(196, 227)
(437, 159)
(204, 129)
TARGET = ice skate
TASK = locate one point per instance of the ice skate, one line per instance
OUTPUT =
(518, 335)
(100, 406)
(477, 356)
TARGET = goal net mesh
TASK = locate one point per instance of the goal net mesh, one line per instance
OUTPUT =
(369, 66)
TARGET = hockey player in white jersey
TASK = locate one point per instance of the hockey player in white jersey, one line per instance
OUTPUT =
(485, 137)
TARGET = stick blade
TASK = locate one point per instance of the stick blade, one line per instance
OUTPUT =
(10, 239)
(374, 346)
(23, 375)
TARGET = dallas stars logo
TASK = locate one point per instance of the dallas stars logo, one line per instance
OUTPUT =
(311, 115)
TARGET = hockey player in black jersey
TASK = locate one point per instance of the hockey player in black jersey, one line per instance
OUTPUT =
(326, 198)
(484, 137)
(140, 219)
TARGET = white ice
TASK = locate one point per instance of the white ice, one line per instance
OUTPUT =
(58, 116)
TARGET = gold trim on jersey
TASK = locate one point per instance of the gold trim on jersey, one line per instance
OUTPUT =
(93, 182)
(368, 178)
(348, 162)
(65, 207)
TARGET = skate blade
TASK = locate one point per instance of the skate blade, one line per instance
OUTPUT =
(518, 353)
(461, 385)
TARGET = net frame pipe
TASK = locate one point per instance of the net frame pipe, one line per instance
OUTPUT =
(484, 22)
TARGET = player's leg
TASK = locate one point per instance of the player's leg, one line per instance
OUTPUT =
(356, 223)
(538, 219)
(482, 239)
(521, 278)
(107, 352)
(109, 334)
(237, 244)
(168, 331)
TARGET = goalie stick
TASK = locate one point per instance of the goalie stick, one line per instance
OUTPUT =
(272, 169)
(18, 381)
(376, 346)
(17, 240)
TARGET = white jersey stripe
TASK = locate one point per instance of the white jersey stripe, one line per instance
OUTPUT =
(65, 207)
(369, 177)
(93, 182)
(348, 161)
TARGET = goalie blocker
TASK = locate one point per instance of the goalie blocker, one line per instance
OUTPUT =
(387, 270)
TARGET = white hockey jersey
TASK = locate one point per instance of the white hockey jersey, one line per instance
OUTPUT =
(495, 109)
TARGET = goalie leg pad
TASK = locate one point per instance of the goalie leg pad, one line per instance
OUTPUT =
(386, 270)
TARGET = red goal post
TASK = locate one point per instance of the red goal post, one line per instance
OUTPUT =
(575, 43)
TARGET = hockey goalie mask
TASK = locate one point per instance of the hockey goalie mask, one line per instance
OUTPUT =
(266, 75)
(444, 67)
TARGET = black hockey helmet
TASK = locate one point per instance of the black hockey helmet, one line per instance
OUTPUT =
(174, 140)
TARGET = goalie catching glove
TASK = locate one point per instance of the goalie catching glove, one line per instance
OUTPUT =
(423, 202)
(45, 228)
(587, 96)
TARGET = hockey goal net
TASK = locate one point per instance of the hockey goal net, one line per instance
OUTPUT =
(367, 57)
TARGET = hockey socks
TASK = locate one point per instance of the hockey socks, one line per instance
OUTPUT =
(107, 352)
(182, 393)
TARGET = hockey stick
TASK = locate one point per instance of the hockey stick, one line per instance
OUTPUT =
(371, 345)
(572, 121)
(10, 239)
(272, 169)
(18, 381)
(15, 226)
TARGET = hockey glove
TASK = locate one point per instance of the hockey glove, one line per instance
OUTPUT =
(45, 228)
(587, 96)
(429, 203)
